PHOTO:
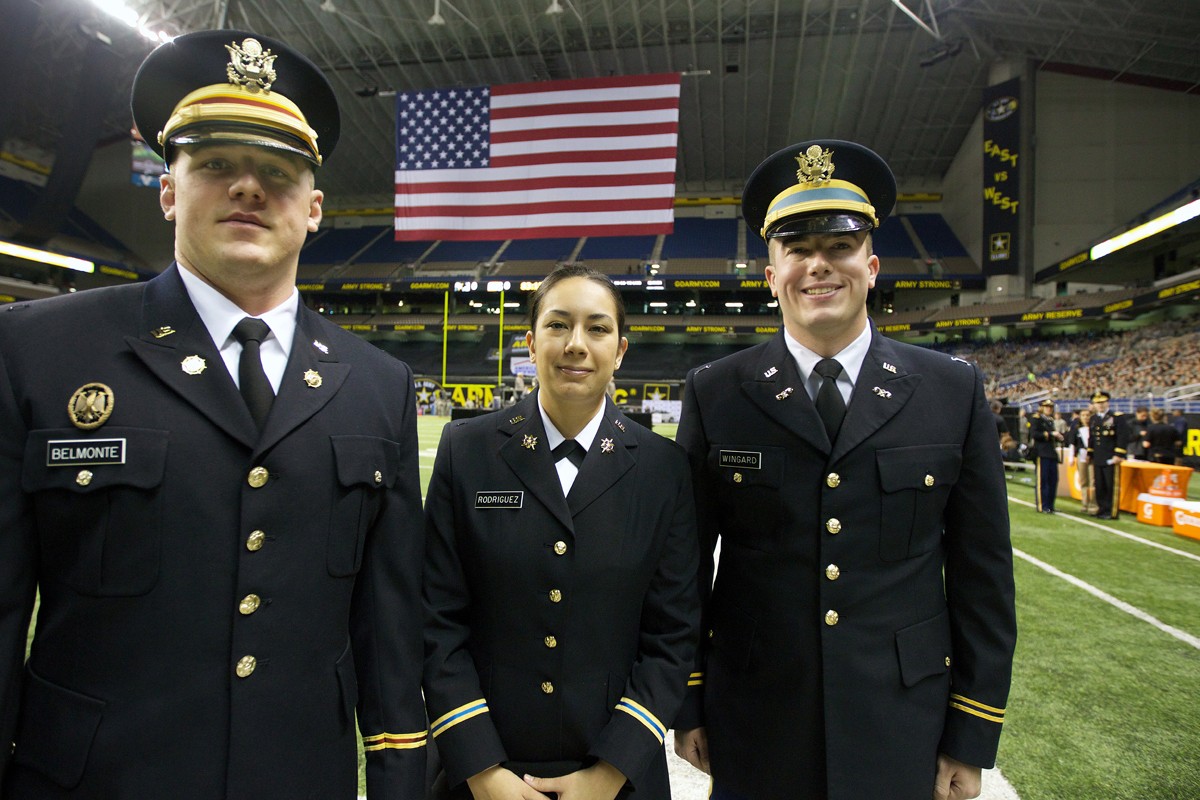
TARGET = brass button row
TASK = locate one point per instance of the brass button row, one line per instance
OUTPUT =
(246, 666)
(249, 604)
(560, 548)
(255, 541)
(258, 477)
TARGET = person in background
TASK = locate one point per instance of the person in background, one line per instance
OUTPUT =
(1011, 450)
(560, 579)
(1180, 423)
(1137, 430)
(213, 488)
(861, 625)
(1106, 449)
(1001, 425)
(1162, 441)
(1080, 441)
(1044, 440)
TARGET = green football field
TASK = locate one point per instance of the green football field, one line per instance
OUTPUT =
(1105, 703)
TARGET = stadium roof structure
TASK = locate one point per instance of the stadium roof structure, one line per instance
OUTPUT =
(904, 76)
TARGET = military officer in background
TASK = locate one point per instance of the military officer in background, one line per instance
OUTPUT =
(1044, 439)
(861, 627)
(1107, 433)
(213, 488)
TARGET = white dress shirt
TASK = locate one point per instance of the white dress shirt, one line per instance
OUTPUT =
(566, 470)
(851, 358)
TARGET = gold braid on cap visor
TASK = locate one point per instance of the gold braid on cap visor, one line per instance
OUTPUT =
(831, 195)
(270, 112)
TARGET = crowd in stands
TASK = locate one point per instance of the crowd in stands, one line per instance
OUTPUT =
(1140, 362)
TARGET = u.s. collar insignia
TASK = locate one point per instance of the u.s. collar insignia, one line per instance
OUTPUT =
(529, 442)
(785, 394)
(606, 445)
(193, 365)
(165, 330)
(889, 367)
(881, 392)
(619, 424)
(770, 372)
(90, 406)
(516, 419)
(324, 348)
(250, 65)
(313, 379)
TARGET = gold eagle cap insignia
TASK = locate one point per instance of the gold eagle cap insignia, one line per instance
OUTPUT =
(250, 65)
(816, 166)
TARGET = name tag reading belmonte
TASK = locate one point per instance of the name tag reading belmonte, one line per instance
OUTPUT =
(499, 499)
(84, 452)
(743, 459)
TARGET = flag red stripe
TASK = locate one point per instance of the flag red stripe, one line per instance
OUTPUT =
(583, 132)
(550, 232)
(582, 157)
(586, 107)
(615, 82)
(555, 207)
(556, 182)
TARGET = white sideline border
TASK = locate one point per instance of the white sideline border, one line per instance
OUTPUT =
(1113, 531)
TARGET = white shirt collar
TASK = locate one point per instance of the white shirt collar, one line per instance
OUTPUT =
(850, 357)
(585, 437)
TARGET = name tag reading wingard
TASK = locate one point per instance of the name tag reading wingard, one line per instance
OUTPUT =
(742, 459)
(84, 452)
(499, 499)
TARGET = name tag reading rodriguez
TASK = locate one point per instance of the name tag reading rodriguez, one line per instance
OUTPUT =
(84, 452)
(499, 499)
(743, 459)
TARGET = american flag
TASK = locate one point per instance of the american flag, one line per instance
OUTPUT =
(591, 157)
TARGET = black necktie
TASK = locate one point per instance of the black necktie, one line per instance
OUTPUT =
(252, 380)
(830, 404)
(571, 450)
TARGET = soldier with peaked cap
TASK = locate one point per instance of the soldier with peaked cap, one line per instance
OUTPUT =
(861, 626)
(1107, 434)
(213, 489)
(1044, 440)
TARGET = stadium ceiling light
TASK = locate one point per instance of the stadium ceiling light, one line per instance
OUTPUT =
(690, 304)
(733, 305)
(1156, 225)
(658, 305)
(46, 257)
(437, 18)
(554, 8)
(122, 12)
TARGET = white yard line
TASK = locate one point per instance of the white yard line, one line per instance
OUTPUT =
(1113, 531)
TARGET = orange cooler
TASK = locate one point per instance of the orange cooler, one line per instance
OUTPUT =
(1155, 510)
(1185, 519)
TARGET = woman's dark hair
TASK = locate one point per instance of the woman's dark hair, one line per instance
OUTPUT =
(576, 271)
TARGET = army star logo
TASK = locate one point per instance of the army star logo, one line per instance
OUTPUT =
(193, 365)
(606, 445)
(90, 406)
(529, 442)
(313, 379)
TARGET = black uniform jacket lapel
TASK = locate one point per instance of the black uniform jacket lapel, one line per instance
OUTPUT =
(527, 453)
(777, 388)
(312, 377)
(170, 331)
(882, 389)
(604, 465)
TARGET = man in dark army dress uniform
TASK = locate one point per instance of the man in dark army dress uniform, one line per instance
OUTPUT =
(214, 489)
(861, 627)
(1106, 450)
(1044, 441)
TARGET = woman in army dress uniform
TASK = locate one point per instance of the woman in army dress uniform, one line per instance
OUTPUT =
(560, 579)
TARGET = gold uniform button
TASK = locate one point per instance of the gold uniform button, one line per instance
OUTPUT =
(255, 541)
(547, 687)
(84, 477)
(831, 618)
(245, 666)
(833, 572)
(833, 525)
(947, 661)
(710, 634)
(378, 477)
(249, 604)
(833, 480)
(737, 477)
(560, 548)
(555, 596)
(258, 477)
(929, 480)
(551, 642)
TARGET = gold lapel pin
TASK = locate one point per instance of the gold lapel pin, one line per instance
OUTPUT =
(90, 406)
(619, 424)
(321, 346)
(881, 392)
(193, 365)
(785, 394)
(516, 419)
(165, 330)
(529, 442)
(889, 367)
(313, 379)
(770, 372)
(606, 445)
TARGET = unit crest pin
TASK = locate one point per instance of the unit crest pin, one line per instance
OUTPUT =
(193, 365)
(313, 379)
(785, 394)
(606, 445)
(881, 392)
(529, 442)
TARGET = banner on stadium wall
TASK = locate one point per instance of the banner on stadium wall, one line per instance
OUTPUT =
(1001, 178)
